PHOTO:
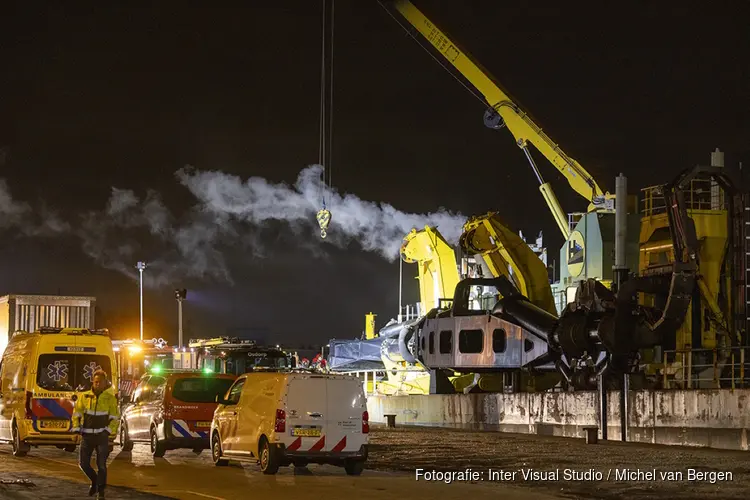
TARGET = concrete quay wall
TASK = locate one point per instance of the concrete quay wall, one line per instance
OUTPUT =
(714, 418)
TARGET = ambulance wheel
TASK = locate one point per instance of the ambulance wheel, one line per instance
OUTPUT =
(70, 448)
(354, 467)
(269, 458)
(216, 451)
(157, 448)
(20, 449)
(125, 442)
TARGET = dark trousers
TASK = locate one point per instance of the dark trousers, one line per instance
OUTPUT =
(90, 443)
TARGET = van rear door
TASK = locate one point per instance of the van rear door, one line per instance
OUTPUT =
(307, 411)
(346, 403)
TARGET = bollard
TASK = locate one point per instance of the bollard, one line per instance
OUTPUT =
(592, 435)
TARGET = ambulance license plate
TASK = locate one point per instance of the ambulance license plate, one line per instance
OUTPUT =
(205, 425)
(305, 432)
(54, 424)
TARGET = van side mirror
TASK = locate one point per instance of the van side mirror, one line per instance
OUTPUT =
(222, 401)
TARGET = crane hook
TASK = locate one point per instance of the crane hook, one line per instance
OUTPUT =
(324, 218)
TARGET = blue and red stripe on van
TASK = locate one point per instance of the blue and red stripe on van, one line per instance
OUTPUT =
(182, 428)
(53, 408)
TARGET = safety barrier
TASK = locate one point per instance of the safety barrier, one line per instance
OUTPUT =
(706, 368)
(698, 196)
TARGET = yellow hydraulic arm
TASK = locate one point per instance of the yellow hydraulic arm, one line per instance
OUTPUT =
(504, 112)
(504, 250)
(438, 269)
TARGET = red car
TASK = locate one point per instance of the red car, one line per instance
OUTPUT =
(172, 409)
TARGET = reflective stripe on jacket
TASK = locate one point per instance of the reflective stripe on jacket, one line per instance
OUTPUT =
(94, 414)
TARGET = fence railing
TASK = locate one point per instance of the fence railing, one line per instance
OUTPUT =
(706, 368)
(701, 194)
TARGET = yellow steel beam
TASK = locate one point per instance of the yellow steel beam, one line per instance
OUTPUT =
(518, 122)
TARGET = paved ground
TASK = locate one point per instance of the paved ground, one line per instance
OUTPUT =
(408, 448)
(395, 456)
(54, 474)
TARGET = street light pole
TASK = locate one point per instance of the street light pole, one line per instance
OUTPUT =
(141, 266)
(179, 323)
(180, 295)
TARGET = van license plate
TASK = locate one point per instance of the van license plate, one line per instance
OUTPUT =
(203, 424)
(54, 424)
(302, 432)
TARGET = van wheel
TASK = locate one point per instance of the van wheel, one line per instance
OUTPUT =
(157, 447)
(125, 442)
(269, 458)
(216, 451)
(20, 449)
(354, 467)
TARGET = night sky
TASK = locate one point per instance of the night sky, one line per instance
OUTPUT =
(101, 97)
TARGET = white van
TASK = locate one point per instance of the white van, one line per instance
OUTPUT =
(283, 418)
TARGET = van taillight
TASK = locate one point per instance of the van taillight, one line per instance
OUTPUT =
(365, 422)
(29, 413)
(280, 421)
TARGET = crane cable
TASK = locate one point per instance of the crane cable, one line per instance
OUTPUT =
(325, 140)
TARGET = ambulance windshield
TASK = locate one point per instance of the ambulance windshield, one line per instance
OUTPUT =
(70, 372)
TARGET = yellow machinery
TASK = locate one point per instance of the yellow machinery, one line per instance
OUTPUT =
(437, 265)
(438, 276)
(370, 326)
(504, 112)
(706, 326)
(586, 253)
(506, 254)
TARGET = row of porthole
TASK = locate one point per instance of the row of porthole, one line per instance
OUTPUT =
(471, 342)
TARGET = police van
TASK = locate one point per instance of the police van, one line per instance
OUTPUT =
(40, 374)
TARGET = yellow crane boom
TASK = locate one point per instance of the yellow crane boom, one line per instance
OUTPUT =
(506, 254)
(438, 269)
(504, 112)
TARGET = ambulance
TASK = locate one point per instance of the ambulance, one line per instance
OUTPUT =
(288, 417)
(40, 375)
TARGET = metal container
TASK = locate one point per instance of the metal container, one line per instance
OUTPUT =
(31, 312)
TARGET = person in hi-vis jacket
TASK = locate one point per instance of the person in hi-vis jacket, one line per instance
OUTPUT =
(96, 417)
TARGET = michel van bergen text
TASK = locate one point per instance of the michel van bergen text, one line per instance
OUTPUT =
(614, 474)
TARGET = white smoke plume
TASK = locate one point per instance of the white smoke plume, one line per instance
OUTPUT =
(30, 222)
(377, 227)
(231, 215)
